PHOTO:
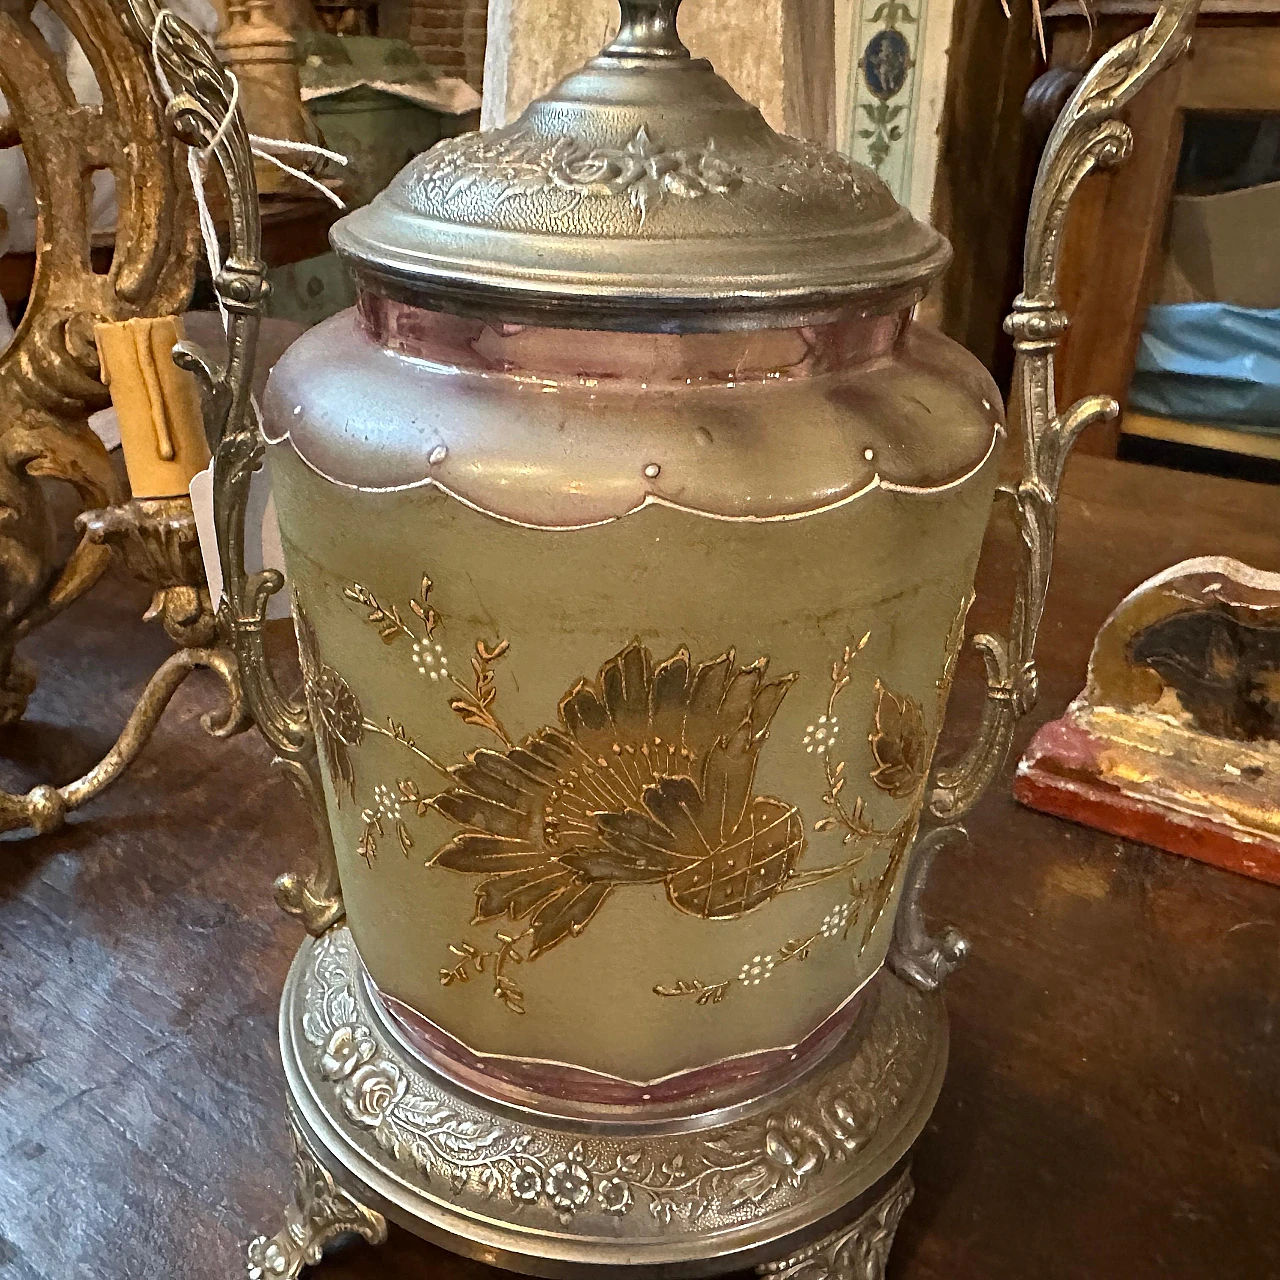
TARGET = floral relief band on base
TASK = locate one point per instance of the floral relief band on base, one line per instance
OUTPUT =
(731, 1174)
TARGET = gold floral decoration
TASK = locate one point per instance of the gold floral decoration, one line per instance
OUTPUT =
(647, 779)
(474, 704)
(759, 968)
(473, 960)
(388, 811)
(898, 743)
(335, 709)
(901, 746)
(820, 739)
(392, 804)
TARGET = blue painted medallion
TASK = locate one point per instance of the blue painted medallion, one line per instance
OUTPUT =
(886, 62)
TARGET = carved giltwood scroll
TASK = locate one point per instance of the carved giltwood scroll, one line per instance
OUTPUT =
(49, 377)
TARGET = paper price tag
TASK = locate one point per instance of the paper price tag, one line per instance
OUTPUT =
(262, 548)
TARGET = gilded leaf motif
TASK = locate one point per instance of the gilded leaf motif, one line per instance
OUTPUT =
(649, 778)
(567, 914)
(899, 743)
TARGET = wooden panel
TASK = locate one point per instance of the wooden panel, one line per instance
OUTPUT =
(1111, 254)
(984, 178)
(1234, 69)
(1113, 246)
(1201, 435)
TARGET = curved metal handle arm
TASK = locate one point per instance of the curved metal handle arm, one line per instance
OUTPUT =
(204, 115)
(1088, 135)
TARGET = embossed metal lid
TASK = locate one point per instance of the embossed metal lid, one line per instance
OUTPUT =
(642, 193)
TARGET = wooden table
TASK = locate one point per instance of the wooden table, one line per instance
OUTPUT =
(1111, 1111)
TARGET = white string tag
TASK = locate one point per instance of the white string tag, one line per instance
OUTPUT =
(260, 146)
(261, 534)
(262, 531)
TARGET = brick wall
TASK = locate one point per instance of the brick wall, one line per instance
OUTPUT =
(435, 28)
(475, 31)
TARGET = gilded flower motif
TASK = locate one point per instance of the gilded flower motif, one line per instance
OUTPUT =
(820, 737)
(756, 970)
(898, 743)
(372, 1091)
(647, 779)
(615, 1195)
(835, 920)
(348, 1048)
(568, 1185)
(335, 709)
(526, 1183)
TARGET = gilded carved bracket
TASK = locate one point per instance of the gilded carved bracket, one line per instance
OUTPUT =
(49, 380)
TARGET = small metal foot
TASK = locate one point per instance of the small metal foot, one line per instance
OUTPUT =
(857, 1252)
(321, 1211)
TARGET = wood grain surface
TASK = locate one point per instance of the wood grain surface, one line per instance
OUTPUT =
(1111, 1111)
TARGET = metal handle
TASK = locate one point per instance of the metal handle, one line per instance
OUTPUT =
(201, 110)
(1088, 135)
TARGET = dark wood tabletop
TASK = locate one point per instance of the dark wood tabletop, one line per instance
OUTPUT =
(1111, 1111)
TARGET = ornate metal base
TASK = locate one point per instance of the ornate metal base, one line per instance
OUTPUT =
(856, 1252)
(321, 1212)
(814, 1174)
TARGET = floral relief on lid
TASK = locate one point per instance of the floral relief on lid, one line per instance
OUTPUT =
(641, 186)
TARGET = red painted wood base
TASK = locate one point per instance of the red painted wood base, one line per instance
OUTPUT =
(1062, 773)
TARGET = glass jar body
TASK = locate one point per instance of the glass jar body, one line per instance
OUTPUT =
(627, 655)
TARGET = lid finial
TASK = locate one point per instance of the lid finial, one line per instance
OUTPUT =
(648, 30)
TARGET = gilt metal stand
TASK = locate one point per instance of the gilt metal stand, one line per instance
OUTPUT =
(157, 542)
(49, 375)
